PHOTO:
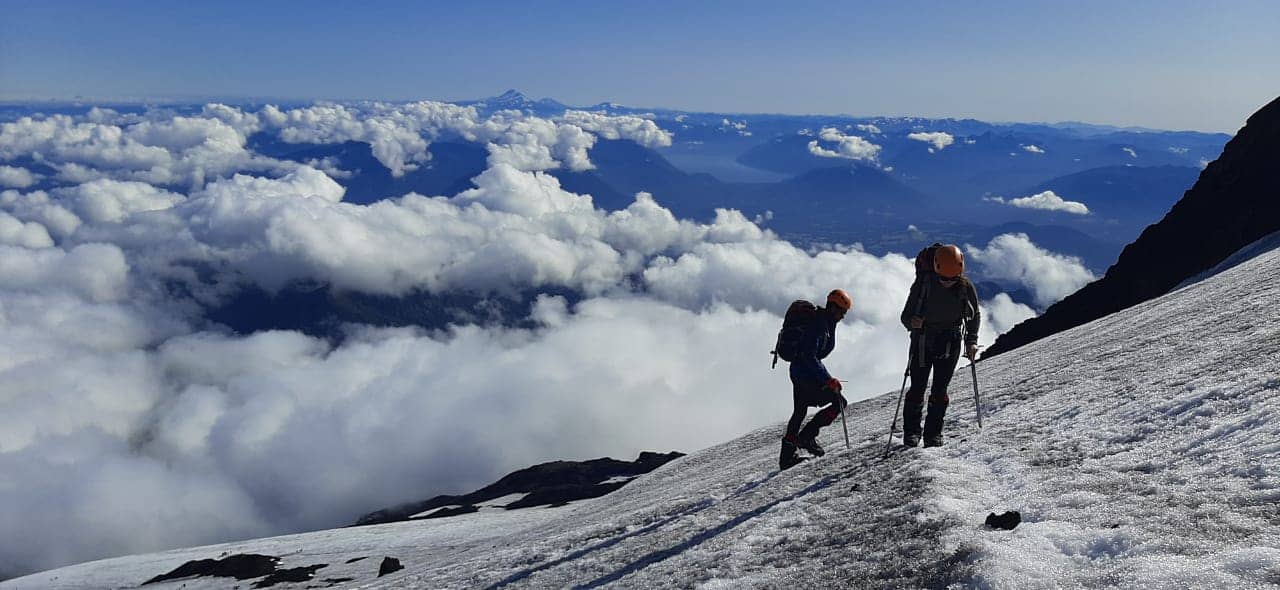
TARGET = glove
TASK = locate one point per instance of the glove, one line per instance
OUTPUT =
(833, 384)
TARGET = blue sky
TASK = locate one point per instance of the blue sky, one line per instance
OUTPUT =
(1174, 64)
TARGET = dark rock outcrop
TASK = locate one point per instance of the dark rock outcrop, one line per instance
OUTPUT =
(1005, 522)
(389, 565)
(545, 484)
(295, 574)
(1235, 202)
(240, 567)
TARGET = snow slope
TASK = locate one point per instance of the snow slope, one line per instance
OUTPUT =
(1143, 450)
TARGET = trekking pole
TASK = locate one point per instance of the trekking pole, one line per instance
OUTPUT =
(844, 423)
(897, 408)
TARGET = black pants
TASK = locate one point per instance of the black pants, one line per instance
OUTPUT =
(937, 352)
(806, 393)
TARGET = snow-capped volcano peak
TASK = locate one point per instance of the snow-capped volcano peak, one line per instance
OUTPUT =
(515, 100)
(1142, 449)
(511, 96)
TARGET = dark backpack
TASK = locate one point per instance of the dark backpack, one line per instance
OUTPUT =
(799, 314)
(924, 268)
(924, 260)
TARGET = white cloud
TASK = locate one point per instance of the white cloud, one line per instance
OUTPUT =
(97, 272)
(530, 143)
(175, 151)
(642, 131)
(1035, 149)
(245, 124)
(104, 200)
(400, 135)
(938, 139)
(39, 207)
(395, 138)
(869, 128)
(61, 139)
(766, 274)
(999, 315)
(15, 177)
(850, 147)
(15, 232)
(330, 166)
(1048, 276)
(739, 127)
(1048, 201)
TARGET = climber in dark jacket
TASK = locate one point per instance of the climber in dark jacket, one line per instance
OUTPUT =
(941, 303)
(812, 384)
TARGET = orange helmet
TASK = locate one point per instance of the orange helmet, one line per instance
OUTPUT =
(840, 299)
(948, 261)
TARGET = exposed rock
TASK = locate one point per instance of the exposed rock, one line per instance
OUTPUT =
(240, 567)
(389, 565)
(1007, 521)
(545, 484)
(296, 574)
(1232, 205)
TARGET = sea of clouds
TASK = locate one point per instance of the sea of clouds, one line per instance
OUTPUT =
(129, 422)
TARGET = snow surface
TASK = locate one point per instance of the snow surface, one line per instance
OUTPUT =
(618, 479)
(1141, 449)
(494, 504)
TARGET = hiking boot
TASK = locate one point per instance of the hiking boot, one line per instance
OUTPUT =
(811, 445)
(788, 462)
(933, 441)
(788, 456)
(910, 440)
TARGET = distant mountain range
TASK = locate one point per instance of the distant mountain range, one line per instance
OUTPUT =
(996, 161)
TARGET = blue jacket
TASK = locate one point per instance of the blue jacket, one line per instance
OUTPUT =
(818, 341)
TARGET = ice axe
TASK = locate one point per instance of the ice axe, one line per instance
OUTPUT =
(889, 445)
(977, 401)
(844, 422)
(973, 370)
